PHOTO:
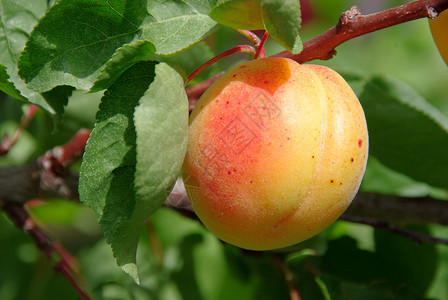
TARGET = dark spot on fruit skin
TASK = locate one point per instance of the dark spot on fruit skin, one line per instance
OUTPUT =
(234, 75)
(312, 156)
(360, 143)
(332, 181)
(266, 82)
(228, 102)
(229, 172)
(340, 183)
(351, 159)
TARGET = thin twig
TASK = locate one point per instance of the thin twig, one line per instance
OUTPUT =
(261, 52)
(385, 225)
(238, 49)
(61, 259)
(7, 142)
(288, 276)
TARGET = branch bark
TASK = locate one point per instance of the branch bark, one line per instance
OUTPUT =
(385, 212)
(49, 176)
(400, 210)
(351, 24)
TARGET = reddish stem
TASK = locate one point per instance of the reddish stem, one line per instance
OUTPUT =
(17, 213)
(66, 154)
(7, 143)
(68, 275)
(261, 53)
(237, 49)
(288, 276)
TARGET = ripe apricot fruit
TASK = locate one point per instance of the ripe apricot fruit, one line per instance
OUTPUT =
(276, 153)
(439, 30)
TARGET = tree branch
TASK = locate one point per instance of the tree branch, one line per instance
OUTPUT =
(47, 177)
(400, 210)
(385, 225)
(351, 24)
(380, 211)
(60, 259)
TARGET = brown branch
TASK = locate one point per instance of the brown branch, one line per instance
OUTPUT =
(61, 259)
(48, 176)
(380, 211)
(385, 225)
(351, 24)
(394, 209)
(400, 210)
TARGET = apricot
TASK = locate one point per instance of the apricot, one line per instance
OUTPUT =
(439, 30)
(276, 153)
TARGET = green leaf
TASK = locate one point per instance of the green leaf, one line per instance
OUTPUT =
(380, 179)
(97, 30)
(175, 25)
(161, 122)
(73, 41)
(407, 134)
(348, 272)
(241, 14)
(408, 263)
(7, 86)
(18, 19)
(134, 154)
(282, 19)
(107, 175)
(339, 289)
(57, 99)
(122, 59)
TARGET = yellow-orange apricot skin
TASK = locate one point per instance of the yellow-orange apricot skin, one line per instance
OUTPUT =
(439, 30)
(276, 153)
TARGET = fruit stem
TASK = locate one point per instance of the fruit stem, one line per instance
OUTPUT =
(241, 48)
(261, 53)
